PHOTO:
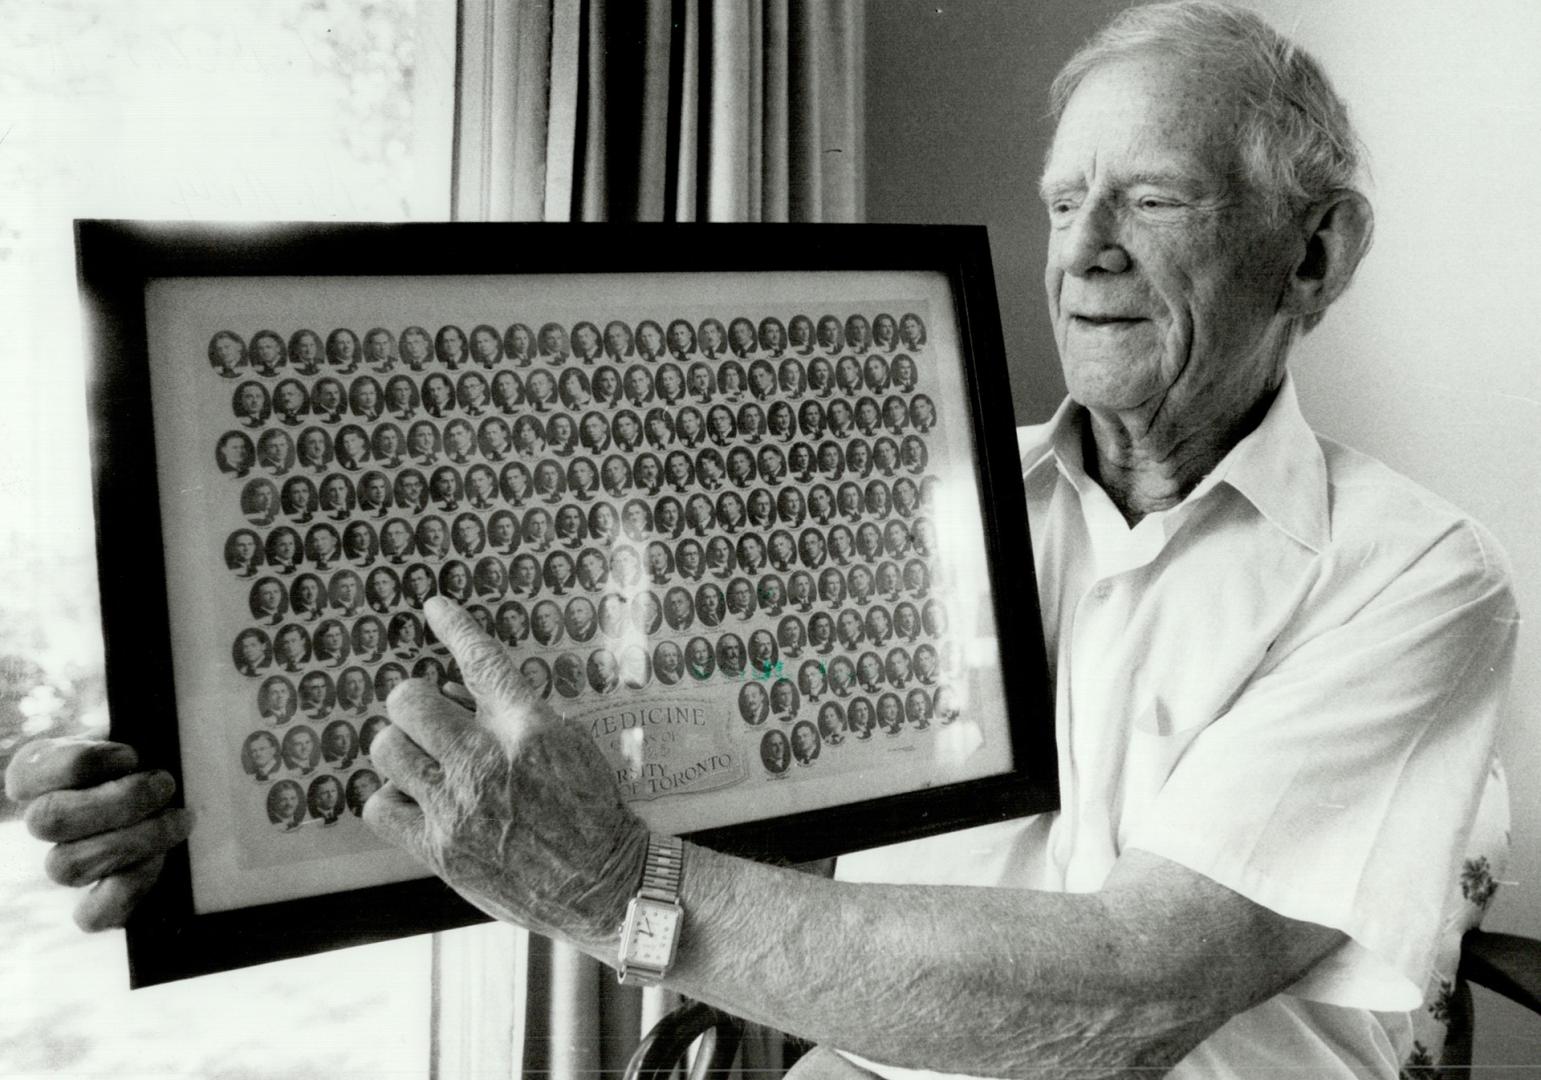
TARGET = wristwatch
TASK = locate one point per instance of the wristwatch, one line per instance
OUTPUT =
(651, 933)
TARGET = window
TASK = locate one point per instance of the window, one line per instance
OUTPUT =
(183, 110)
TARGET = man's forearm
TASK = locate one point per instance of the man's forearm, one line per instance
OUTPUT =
(992, 982)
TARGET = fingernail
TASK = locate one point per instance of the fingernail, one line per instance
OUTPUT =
(122, 757)
(163, 785)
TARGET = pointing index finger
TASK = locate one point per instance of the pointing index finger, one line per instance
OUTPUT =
(488, 670)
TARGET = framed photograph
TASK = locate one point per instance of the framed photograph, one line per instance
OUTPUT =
(744, 501)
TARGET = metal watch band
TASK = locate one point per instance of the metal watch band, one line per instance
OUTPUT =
(662, 869)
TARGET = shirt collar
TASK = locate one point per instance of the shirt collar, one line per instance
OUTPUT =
(1278, 467)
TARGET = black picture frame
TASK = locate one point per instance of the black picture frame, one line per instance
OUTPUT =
(117, 261)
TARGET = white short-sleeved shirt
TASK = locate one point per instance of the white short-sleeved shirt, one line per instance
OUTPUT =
(1291, 684)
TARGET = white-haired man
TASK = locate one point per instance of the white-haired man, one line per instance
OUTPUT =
(1278, 667)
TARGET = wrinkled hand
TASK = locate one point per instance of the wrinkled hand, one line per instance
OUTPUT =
(108, 823)
(510, 804)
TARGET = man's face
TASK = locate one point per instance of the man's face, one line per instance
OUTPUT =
(251, 400)
(615, 338)
(286, 802)
(369, 636)
(251, 649)
(486, 344)
(534, 674)
(433, 534)
(584, 339)
(313, 446)
(458, 578)
(313, 691)
(301, 746)
(269, 595)
(336, 744)
(1164, 284)
(331, 639)
(648, 339)
(738, 596)
(263, 753)
(626, 429)
(396, 536)
(283, 546)
(711, 337)
(415, 346)
(353, 686)
(418, 582)
(806, 741)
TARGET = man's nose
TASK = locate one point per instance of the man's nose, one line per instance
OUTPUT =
(1091, 242)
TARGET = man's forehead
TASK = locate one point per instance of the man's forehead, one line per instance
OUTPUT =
(1147, 120)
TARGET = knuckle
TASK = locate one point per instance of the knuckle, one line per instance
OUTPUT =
(64, 866)
(44, 817)
(410, 696)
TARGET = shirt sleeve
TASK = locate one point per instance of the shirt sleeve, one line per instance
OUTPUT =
(1340, 786)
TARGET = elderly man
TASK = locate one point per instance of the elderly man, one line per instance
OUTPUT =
(1278, 669)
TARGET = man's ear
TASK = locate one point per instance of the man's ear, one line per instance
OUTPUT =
(1337, 234)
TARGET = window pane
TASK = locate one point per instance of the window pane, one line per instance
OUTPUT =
(178, 110)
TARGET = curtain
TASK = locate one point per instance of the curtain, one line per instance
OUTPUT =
(632, 110)
(664, 110)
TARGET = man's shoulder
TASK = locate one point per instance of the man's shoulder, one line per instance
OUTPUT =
(1384, 526)
(1376, 510)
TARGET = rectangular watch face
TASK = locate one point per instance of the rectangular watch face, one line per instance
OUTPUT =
(744, 505)
(652, 933)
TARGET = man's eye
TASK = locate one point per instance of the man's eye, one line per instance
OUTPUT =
(1151, 202)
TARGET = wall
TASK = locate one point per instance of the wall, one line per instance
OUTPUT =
(1430, 363)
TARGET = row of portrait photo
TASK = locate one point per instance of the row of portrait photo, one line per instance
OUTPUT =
(343, 352)
(324, 801)
(549, 624)
(857, 493)
(565, 551)
(365, 398)
(889, 652)
(896, 426)
(319, 635)
(885, 597)
(842, 724)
